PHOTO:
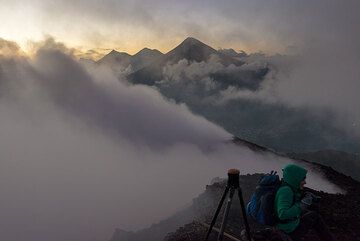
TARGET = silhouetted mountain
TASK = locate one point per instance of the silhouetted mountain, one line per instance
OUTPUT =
(147, 53)
(232, 53)
(229, 52)
(121, 60)
(116, 60)
(190, 49)
(144, 57)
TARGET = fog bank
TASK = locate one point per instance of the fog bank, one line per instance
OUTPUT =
(82, 153)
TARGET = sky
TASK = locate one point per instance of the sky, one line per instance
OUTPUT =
(270, 26)
(131, 25)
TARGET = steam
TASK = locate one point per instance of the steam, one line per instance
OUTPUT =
(82, 153)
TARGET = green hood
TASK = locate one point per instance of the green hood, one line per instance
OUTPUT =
(293, 175)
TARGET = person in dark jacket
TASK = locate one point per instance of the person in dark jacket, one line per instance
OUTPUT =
(292, 208)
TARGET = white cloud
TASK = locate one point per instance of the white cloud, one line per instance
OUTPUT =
(82, 153)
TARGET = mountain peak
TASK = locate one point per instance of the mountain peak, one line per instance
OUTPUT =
(192, 50)
(229, 52)
(192, 41)
(148, 51)
(114, 57)
(144, 50)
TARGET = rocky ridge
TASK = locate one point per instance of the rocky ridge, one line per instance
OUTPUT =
(341, 211)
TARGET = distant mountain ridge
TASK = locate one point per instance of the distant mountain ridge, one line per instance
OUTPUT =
(233, 53)
(115, 57)
(223, 86)
(195, 50)
(190, 49)
(117, 60)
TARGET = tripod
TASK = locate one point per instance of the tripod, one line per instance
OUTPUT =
(232, 185)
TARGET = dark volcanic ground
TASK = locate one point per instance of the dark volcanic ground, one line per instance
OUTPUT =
(340, 212)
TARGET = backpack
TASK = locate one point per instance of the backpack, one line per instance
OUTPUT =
(261, 205)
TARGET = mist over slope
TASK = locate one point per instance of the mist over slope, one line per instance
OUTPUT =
(81, 152)
(245, 94)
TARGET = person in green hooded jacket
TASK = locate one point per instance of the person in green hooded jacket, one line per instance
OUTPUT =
(292, 207)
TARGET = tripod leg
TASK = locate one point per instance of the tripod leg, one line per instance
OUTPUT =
(217, 212)
(226, 213)
(247, 227)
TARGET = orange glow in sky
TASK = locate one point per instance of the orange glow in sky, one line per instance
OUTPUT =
(126, 26)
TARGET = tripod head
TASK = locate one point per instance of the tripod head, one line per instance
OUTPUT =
(233, 178)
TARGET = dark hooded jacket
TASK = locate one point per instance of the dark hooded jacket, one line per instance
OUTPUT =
(287, 199)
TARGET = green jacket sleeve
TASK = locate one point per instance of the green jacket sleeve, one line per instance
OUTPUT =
(284, 204)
